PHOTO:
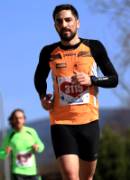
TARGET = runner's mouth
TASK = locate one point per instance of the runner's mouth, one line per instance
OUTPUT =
(65, 30)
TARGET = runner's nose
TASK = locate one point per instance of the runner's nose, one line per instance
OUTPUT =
(64, 24)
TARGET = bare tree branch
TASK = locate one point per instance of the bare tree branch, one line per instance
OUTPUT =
(120, 15)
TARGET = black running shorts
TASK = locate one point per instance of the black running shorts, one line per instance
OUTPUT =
(82, 140)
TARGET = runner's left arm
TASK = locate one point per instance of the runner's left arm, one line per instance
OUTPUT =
(110, 78)
(38, 141)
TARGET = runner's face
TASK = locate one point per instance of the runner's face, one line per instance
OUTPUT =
(18, 120)
(66, 25)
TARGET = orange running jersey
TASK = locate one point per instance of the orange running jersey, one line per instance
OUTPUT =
(74, 103)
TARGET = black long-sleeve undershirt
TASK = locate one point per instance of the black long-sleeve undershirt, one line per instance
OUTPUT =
(109, 80)
(99, 53)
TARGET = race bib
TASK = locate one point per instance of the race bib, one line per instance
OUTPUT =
(71, 93)
(24, 159)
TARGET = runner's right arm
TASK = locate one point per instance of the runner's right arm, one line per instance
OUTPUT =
(4, 149)
(42, 72)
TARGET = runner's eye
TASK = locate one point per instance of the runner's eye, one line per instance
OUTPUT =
(68, 19)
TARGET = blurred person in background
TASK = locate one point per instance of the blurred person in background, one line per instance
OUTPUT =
(21, 143)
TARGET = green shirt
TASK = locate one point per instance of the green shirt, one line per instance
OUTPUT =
(22, 154)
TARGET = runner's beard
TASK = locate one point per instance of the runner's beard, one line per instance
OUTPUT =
(65, 37)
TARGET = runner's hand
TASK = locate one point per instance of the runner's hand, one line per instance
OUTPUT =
(81, 78)
(35, 147)
(8, 149)
(47, 102)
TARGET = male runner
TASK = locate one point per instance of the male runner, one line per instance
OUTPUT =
(22, 143)
(74, 110)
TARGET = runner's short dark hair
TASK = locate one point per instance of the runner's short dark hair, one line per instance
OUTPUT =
(65, 7)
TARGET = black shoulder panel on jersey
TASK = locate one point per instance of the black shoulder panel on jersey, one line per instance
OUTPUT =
(99, 53)
(11, 135)
(43, 69)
